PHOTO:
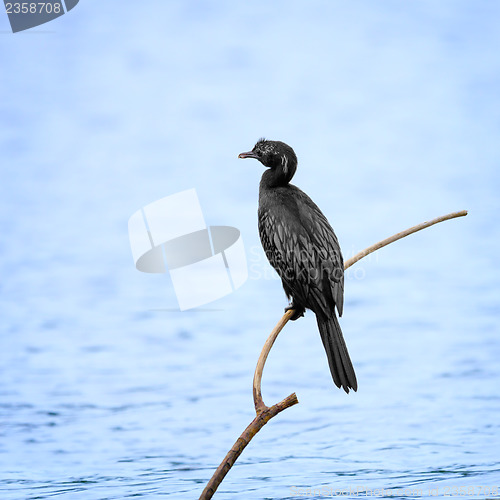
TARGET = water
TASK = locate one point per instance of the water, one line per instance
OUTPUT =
(108, 392)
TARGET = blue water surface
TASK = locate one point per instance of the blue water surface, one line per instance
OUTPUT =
(107, 390)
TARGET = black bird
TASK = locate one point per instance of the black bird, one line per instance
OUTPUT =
(301, 245)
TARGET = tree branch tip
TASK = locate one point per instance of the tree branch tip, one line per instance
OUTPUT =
(287, 402)
(293, 399)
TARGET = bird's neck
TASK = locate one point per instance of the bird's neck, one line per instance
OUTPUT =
(275, 177)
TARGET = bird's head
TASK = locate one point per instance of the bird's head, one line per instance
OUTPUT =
(277, 156)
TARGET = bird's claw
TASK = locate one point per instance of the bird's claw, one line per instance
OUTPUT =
(299, 311)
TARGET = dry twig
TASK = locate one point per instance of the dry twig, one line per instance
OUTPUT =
(265, 413)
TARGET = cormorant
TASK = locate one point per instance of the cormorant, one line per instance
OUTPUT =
(301, 246)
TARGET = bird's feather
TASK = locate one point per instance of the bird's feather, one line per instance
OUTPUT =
(302, 247)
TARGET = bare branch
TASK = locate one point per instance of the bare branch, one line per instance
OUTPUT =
(263, 416)
(402, 234)
(257, 378)
(265, 413)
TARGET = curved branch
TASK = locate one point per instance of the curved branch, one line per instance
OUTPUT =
(257, 378)
(255, 426)
(402, 234)
(265, 413)
(257, 394)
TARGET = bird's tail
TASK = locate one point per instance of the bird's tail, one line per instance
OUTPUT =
(336, 351)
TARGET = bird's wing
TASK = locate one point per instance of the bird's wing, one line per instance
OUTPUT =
(302, 247)
(328, 253)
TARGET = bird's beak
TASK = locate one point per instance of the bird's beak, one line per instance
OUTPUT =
(250, 154)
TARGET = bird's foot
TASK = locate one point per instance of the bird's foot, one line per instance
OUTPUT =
(299, 311)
